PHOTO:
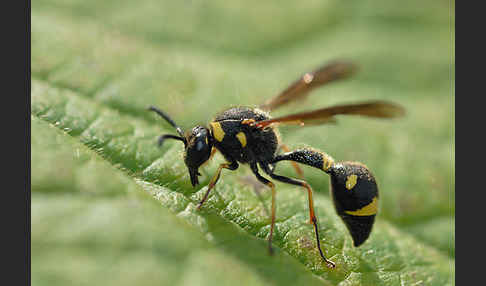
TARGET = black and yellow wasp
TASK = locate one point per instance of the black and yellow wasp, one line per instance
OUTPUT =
(249, 135)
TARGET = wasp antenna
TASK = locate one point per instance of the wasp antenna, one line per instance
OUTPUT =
(167, 118)
(170, 136)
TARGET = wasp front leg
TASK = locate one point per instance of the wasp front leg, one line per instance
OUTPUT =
(231, 166)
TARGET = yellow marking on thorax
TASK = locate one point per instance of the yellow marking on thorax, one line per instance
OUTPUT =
(327, 161)
(351, 182)
(369, 209)
(242, 138)
(218, 132)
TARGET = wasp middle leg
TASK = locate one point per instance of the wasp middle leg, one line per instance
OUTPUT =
(254, 169)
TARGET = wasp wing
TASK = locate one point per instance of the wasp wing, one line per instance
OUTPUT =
(309, 81)
(377, 109)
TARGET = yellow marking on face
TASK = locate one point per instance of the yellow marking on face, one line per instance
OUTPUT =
(369, 209)
(327, 161)
(351, 182)
(218, 132)
(242, 138)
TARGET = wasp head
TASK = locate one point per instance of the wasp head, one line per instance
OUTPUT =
(198, 151)
(197, 143)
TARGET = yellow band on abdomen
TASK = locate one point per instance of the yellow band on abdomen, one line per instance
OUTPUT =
(369, 209)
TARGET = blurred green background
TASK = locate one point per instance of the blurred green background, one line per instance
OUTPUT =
(110, 208)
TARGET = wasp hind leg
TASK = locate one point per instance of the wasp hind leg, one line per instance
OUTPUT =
(312, 214)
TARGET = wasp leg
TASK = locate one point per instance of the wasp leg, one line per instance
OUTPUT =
(254, 168)
(257, 187)
(312, 214)
(231, 166)
(213, 151)
(260, 198)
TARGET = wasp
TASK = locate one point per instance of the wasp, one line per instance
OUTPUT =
(249, 135)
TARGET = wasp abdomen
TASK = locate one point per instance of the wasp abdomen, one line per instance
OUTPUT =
(355, 196)
(353, 188)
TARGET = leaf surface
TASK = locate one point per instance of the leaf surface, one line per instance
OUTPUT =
(110, 207)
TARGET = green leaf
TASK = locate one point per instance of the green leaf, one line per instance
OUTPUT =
(101, 227)
(110, 207)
